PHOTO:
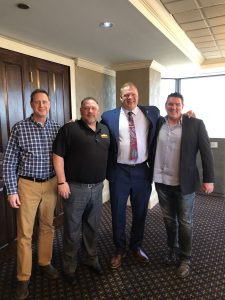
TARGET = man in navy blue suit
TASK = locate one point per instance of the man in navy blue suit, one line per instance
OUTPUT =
(130, 176)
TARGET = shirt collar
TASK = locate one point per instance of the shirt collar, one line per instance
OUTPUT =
(134, 111)
(98, 127)
(37, 123)
(180, 122)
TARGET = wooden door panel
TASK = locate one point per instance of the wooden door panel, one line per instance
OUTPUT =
(3, 224)
(15, 108)
(55, 79)
(59, 99)
(7, 220)
(42, 79)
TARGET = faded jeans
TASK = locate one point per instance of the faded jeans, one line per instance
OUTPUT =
(177, 210)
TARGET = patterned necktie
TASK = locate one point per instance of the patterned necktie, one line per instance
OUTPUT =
(133, 138)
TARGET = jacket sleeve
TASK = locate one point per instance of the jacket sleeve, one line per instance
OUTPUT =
(206, 154)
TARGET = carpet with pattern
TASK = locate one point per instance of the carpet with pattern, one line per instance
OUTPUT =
(133, 280)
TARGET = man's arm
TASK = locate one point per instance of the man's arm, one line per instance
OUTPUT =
(63, 186)
(10, 165)
(207, 160)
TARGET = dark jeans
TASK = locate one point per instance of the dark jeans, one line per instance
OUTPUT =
(131, 181)
(82, 211)
(177, 210)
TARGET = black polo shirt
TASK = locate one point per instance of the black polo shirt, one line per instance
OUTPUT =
(85, 151)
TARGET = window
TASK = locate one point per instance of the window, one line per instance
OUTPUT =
(206, 96)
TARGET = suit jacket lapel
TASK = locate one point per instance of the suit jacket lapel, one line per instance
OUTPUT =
(116, 119)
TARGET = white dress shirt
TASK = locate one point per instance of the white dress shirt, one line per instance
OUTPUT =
(141, 127)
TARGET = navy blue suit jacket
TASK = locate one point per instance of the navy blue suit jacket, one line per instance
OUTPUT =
(111, 120)
(194, 138)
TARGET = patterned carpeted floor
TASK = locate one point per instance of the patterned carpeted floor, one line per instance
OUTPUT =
(133, 280)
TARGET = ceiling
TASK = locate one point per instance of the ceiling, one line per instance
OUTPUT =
(172, 33)
(204, 23)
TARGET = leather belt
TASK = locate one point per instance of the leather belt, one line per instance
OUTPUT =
(133, 165)
(36, 179)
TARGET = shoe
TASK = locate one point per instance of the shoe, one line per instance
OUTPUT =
(96, 269)
(22, 291)
(49, 271)
(70, 278)
(117, 260)
(184, 269)
(140, 256)
(171, 258)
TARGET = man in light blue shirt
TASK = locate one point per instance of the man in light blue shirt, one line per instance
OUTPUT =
(176, 176)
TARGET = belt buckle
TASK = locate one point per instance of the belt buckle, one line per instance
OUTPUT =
(90, 185)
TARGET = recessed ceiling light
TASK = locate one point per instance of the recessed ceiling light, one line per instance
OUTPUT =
(106, 24)
(23, 6)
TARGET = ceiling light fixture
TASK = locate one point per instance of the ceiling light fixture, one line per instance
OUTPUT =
(106, 24)
(23, 6)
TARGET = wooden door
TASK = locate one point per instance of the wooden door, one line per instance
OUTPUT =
(19, 76)
(55, 79)
(11, 93)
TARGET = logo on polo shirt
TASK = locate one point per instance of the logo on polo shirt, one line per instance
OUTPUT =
(104, 136)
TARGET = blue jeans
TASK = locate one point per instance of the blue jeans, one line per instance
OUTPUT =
(177, 210)
(82, 212)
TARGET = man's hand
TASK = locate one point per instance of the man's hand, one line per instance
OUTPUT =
(207, 187)
(190, 114)
(64, 190)
(14, 200)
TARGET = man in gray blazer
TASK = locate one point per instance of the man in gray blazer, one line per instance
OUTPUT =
(176, 176)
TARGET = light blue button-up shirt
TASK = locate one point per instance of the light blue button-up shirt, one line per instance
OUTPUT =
(167, 159)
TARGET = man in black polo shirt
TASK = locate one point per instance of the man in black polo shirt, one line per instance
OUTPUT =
(80, 160)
